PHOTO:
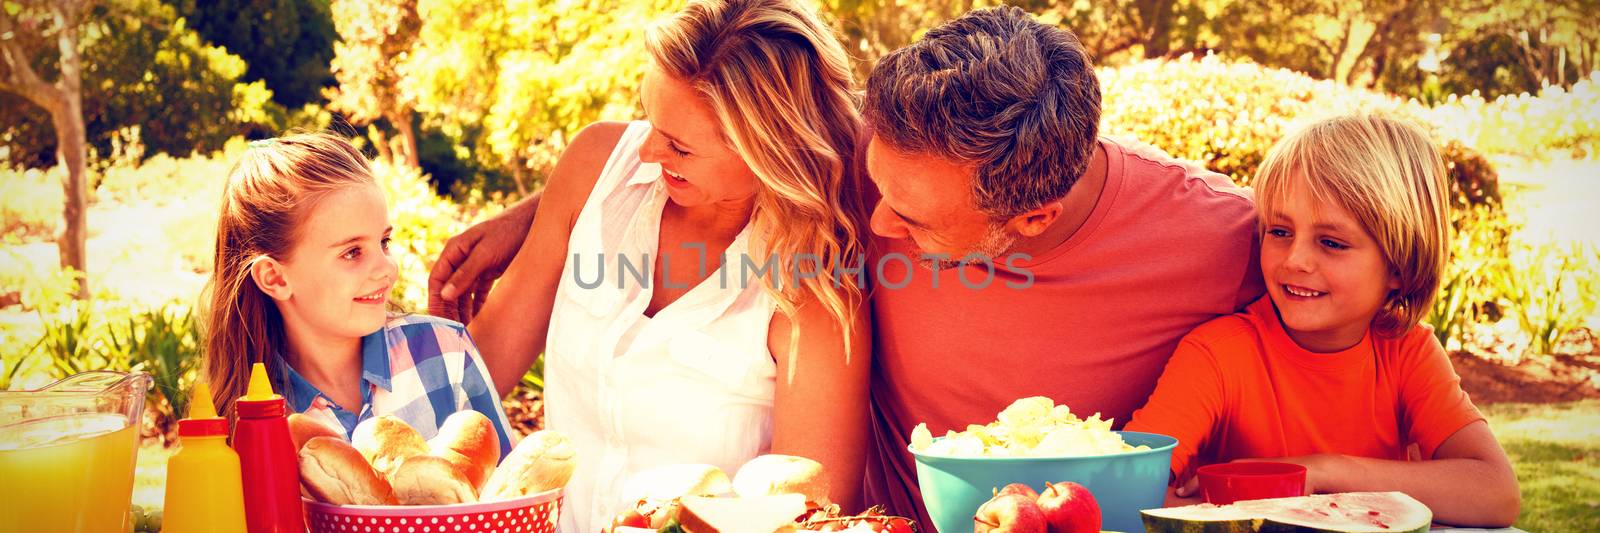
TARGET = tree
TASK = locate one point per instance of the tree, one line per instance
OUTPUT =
(1349, 41)
(870, 29)
(376, 37)
(148, 81)
(1113, 30)
(515, 80)
(26, 33)
(1520, 46)
(286, 43)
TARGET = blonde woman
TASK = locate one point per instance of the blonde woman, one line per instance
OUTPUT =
(678, 273)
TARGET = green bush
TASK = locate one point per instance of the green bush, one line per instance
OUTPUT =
(80, 336)
(193, 183)
(1525, 124)
(165, 343)
(1228, 114)
(148, 79)
(1224, 114)
(423, 221)
(1470, 290)
(1473, 178)
(30, 203)
(1550, 289)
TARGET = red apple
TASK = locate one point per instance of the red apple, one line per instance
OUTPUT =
(1069, 508)
(1009, 513)
(1019, 488)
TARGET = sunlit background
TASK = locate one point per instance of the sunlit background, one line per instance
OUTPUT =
(465, 105)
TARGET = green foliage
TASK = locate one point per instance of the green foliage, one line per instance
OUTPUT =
(1225, 114)
(534, 379)
(70, 341)
(185, 193)
(870, 29)
(376, 37)
(1478, 267)
(423, 221)
(1525, 125)
(30, 203)
(166, 344)
(514, 81)
(1475, 180)
(1550, 289)
(1500, 47)
(148, 81)
(286, 43)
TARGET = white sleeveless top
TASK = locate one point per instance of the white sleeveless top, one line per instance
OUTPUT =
(694, 384)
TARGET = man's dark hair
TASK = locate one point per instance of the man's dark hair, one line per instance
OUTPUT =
(1012, 96)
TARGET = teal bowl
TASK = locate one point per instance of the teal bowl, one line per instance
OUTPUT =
(1123, 484)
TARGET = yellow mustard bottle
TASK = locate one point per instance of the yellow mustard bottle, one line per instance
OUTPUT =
(204, 488)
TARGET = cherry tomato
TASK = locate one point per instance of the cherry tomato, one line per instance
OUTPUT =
(630, 518)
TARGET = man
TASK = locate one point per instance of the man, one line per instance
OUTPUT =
(1104, 254)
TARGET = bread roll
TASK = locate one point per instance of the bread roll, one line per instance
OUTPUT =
(303, 428)
(542, 461)
(386, 441)
(332, 471)
(670, 482)
(429, 480)
(775, 474)
(468, 441)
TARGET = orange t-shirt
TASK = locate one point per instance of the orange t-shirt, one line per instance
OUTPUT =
(1239, 387)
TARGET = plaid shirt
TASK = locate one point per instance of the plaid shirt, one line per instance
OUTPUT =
(419, 368)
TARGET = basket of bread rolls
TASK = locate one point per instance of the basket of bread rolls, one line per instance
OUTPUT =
(387, 478)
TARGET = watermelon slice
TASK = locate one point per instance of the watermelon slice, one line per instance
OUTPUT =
(1388, 512)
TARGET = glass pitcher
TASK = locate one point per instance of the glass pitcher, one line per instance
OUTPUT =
(67, 453)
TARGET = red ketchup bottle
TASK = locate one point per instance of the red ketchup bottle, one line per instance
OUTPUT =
(268, 463)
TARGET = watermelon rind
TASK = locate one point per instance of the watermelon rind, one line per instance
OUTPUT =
(1353, 512)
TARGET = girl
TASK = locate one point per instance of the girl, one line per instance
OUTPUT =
(1331, 370)
(301, 282)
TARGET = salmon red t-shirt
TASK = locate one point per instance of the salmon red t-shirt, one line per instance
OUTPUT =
(1239, 387)
(1090, 324)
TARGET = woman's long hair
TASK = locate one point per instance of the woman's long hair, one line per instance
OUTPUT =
(780, 85)
(269, 192)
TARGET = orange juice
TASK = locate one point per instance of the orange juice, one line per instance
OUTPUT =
(67, 474)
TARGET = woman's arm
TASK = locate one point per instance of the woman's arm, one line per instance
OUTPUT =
(510, 331)
(1469, 482)
(821, 407)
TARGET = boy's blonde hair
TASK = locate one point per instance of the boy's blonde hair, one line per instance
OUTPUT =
(1390, 177)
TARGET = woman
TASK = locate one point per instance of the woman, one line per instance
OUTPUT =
(745, 155)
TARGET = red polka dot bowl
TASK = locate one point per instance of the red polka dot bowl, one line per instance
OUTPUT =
(536, 513)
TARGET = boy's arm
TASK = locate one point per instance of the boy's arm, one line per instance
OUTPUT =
(1187, 403)
(1469, 482)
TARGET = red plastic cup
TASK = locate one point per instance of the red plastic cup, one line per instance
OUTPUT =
(1225, 483)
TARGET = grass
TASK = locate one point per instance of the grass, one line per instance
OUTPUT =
(1556, 451)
